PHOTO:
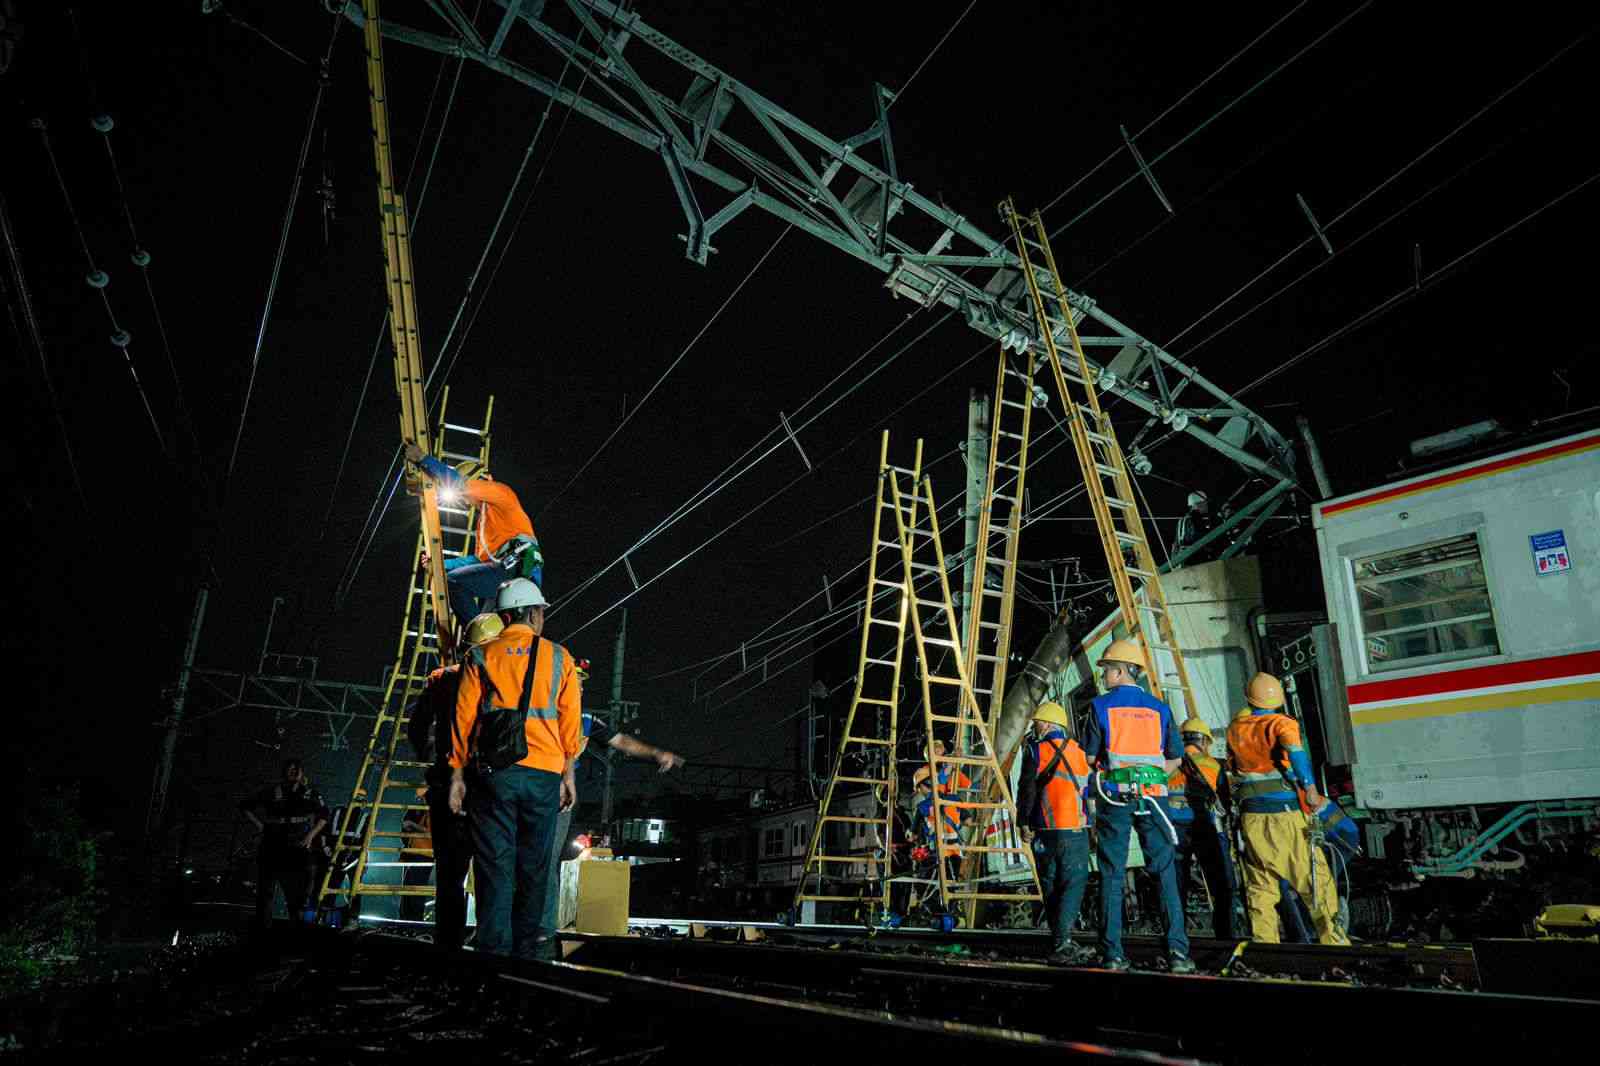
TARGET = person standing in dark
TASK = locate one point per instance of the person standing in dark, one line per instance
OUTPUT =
(447, 835)
(290, 815)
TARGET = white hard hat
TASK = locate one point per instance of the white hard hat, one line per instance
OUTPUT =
(519, 592)
(1198, 499)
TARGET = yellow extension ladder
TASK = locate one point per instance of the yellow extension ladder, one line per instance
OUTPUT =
(950, 707)
(386, 802)
(865, 762)
(992, 596)
(1146, 619)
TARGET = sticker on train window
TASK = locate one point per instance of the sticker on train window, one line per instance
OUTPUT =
(1550, 555)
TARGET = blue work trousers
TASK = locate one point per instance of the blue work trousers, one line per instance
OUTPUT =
(474, 585)
(1114, 826)
(1063, 857)
(513, 818)
(1199, 841)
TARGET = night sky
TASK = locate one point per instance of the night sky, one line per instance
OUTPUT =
(594, 299)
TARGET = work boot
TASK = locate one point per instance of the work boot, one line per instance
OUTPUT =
(1180, 964)
(1116, 965)
(1066, 953)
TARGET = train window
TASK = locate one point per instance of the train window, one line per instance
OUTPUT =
(1425, 604)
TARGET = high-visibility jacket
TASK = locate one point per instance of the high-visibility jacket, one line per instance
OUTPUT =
(1130, 727)
(1267, 760)
(1060, 802)
(554, 725)
(1189, 795)
(500, 517)
(952, 825)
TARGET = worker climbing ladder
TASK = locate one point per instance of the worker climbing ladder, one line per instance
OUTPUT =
(386, 804)
(994, 584)
(948, 700)
(1105, 472)
(868, 742)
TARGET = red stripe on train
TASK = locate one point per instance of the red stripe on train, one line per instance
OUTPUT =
(1477, 677)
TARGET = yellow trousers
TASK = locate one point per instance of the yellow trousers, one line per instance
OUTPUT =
(1278, 845)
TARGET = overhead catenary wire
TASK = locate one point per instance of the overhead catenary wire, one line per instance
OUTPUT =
(100, 282)
(30, 329)
(760, 262)
(323, 80)
(1376, 189)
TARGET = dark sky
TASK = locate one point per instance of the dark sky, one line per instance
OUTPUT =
(594, 299)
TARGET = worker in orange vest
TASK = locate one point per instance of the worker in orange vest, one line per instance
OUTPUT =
(518, 725)
(1051, 802)
(1272, 779)
(1198, 802)
(1132, 743)
(507, 547)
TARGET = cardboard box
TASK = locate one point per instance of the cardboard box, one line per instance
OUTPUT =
(594, 897)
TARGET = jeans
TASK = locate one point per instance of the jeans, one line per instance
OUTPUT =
(452, 852)
(1063, 856)
(558, 845)
(513, 818)
(1198, 839)
(1115, 825)
(473, 584)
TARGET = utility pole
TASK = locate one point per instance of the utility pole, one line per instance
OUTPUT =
(617, 712)
(180, 696)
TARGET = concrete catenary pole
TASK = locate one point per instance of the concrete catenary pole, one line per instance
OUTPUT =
(180, 696)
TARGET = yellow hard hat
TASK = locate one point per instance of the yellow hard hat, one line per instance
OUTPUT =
(1264, 691)
(1123, 651)
(1196, 724)
(484, 628)
(1051, 712)
(938, 747)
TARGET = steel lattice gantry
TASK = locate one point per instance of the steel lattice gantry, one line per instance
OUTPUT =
(667, 100)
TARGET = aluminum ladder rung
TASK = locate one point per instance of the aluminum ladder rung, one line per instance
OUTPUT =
(1126, 537)
(1008, 433)
(955, 719)
(1106, 471)
(1117, 501)
(460, 457)
(866, 740)
(1142, 575)
(1012, 403)
(879, 662)
(861, 780)
(937, 680)
(941, 642)
(875, 700)
(1017, 897)
(476, 432)
(455, 510)
(964, 760)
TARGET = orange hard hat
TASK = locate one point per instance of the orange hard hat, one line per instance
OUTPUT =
(1123, 651)
(1265, 692)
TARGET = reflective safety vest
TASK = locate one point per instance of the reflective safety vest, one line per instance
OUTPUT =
(1258, 746)
(952, 825)
(554, 721)
(1061, 798)
(1187, 792)
(1135, 735)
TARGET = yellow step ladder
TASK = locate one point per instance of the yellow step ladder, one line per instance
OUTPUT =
(373, 835)
(838, 861)
(950, 708)
(1146, 619)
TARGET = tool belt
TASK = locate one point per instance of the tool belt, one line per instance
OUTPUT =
(519, 555)
(1136, 776)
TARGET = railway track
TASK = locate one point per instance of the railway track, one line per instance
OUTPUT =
(1206, 1017)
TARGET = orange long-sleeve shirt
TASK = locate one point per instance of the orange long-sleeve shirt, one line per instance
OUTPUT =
(501, 518)
(554, 726)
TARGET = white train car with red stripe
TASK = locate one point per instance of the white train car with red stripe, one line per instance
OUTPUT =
(1467, 610)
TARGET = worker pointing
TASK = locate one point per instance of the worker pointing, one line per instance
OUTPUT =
(507, 547)
(1271, 773)
(518, 726)
(1133, 745)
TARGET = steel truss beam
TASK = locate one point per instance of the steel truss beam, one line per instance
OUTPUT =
(671, 102)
